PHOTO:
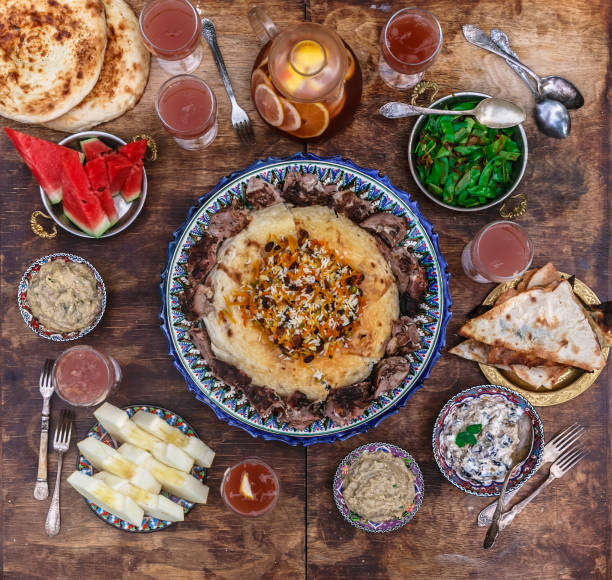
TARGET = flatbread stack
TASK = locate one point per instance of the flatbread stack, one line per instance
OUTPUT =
(70, 64)
(536, 330)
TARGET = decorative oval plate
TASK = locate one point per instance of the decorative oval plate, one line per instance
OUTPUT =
(388, 525)
(570, 384)
(149, 523)
(32, 321)
(529, 466)
(432, 318)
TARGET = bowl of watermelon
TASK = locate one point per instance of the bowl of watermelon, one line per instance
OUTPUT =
(93, 184)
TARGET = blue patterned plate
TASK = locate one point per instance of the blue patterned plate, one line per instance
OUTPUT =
(527, 469)
(432, 318)
(360, 522)
(149, 523)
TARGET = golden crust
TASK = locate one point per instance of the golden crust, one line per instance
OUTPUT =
(51, 54)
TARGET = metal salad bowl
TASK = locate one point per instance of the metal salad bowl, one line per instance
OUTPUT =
(518, 167)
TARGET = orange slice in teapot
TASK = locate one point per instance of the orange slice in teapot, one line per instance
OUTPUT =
(315, 119)
(350, 71)
(292, 120)
(268, 105)
(258, 78)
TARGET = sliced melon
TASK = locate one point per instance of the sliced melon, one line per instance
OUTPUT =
(174, 481)
(94, 148)
(98, 180)
(171, 455)
(134, 151)
(131, 188)
(107, 498)
(117, 422)
(196, 448)
(118, 168)
(156, 505)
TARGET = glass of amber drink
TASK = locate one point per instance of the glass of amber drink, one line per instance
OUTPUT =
(171, 30)
(409, 44)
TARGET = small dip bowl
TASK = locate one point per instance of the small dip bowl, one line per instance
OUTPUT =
(518, 167)
(32, 321)
(127, 212)
(526, 469)
(360, 522)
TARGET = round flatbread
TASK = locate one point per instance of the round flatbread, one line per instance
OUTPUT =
(123, 77)
(243, 343)
(51, 54)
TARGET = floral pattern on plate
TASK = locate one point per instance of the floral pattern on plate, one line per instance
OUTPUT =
(149, 523)
(230, 404)
(360, 522)
(32, 321)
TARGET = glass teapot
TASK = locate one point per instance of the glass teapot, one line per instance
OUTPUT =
(306, 81)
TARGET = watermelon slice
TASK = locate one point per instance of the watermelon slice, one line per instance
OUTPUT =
(98, 179)
(94, 148)
(118, 168)
(45, 160)
(132, 184)
(134, 151)
(80, 203)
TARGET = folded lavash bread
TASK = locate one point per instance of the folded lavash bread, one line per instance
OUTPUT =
(51, 54)
(123, 77)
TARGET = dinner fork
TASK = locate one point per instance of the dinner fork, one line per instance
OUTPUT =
(61, 442)
(45, 386)
(558, 469)
(552, 450)
(240, 120)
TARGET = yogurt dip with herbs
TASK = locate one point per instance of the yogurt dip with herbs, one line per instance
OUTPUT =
(379, 487)
(479, 436)
(64, 296)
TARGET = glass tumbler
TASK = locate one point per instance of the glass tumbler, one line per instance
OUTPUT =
(187, 108)
(409, 44)
(171, 30)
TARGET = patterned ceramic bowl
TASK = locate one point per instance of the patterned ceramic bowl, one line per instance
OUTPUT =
(149, 523)
(32, 321)
(360, 522)
(527, 468)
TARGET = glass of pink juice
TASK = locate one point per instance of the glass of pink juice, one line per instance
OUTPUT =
(409, 44)
(187, 109)
(501, 251)
(84, 376)
(171, 30)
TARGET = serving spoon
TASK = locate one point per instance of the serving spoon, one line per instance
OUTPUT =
(550, 87)
(519, 455)
(490, 112)
(552, 116)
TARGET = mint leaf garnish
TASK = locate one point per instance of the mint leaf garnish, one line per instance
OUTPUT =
(467, 437)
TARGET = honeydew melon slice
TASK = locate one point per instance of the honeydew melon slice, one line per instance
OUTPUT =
(117, 422)
(172, 456)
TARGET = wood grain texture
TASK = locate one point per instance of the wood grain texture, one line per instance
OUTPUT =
(565, 533)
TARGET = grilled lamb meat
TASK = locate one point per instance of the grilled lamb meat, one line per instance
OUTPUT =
(202, 257)
(353, 207)
(347, 403)
(228, 222)
(259, 193)
(390, 373)
(410, 276)
(390, 228)
(299, 412)
(196, 301)
(264, 400)
(304, 189)
(404, 337)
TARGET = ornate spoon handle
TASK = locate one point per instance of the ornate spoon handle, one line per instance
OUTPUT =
(508, 517)
(501, 39)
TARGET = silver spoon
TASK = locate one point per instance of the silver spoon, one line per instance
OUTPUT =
(491, 112)
(550, 87)
(551, 116)
(519, 455)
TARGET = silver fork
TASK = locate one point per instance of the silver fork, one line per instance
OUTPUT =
(240, 120)
(552, 450)
(45, 386)
(558, 469)
(61, 442)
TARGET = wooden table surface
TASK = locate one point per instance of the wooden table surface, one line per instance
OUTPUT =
(564, 533)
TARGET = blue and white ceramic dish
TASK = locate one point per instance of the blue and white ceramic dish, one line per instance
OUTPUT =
(433, 315)
(149, 523)
(32, 321)
(525, 471)
(360, 522)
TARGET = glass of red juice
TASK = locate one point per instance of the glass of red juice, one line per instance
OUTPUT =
(500, 252)
(84, 376)
(262, 491)
(409, 44)
(187, 108)
(171, 30)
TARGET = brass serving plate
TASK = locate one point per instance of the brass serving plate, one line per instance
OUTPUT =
(570, 384)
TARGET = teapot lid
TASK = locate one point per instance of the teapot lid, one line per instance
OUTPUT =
(307, 62)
